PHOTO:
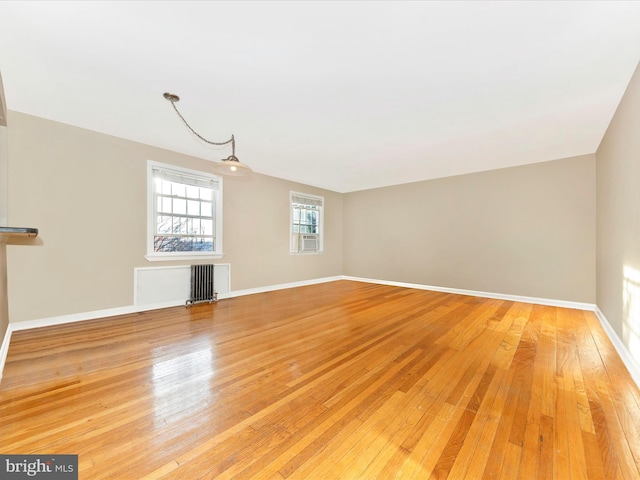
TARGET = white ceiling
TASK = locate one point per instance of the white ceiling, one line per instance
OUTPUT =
(341, 95)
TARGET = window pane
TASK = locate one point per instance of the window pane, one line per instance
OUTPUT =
(193, 207)
(193, 192)
(160, 245)
(166, 187)
(177, 189)
(206, 194)
(179, 225)
(202, 245)
(164, 224)
(164, 205)
(207, 227)
(206, 209)
(182, 244)
(179, 206)
(195, 226)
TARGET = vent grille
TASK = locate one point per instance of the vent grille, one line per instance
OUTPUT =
(309, 243)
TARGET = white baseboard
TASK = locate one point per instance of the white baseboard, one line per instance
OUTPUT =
(626, 357)
(112, 312)
(80, 317)
(281, 286)
(475, 293)
(4, 349)
(75, 317)
(621, 348)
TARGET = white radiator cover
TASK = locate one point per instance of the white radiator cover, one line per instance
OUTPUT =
(171, 285)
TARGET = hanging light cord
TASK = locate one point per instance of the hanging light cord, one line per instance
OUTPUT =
(173, 99)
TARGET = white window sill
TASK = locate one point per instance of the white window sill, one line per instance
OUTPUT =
(177, 257)
(306, 253)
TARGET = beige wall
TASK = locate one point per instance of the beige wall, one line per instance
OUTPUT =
(526, 230)
(4, 308)
(618, 220)
(86, 193)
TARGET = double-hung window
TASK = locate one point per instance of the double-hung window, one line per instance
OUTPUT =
(306, 225)
(185, 213)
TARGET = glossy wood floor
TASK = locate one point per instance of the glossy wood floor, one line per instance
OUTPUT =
(343, 380)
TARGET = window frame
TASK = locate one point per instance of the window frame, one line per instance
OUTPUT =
(152, 214)
(320, 226)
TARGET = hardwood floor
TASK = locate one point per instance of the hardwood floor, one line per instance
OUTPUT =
(342, 380)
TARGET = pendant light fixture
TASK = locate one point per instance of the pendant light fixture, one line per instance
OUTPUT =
(227, 166)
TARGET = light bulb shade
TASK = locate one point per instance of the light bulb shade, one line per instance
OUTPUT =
(232, 166)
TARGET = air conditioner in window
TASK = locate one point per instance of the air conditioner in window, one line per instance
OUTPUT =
(309, 243)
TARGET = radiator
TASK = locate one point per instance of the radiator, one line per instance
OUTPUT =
(202, 285)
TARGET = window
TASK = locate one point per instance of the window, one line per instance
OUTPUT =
(185, 213)
(306, 223)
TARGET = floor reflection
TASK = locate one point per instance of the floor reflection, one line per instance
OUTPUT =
(182, 385)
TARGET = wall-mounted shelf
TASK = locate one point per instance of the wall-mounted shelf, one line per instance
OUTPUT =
(17, 232)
